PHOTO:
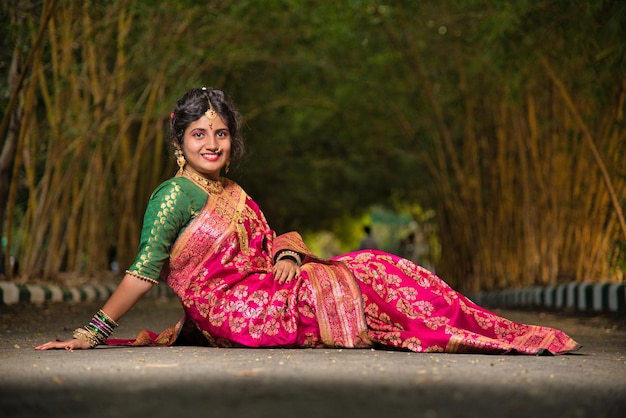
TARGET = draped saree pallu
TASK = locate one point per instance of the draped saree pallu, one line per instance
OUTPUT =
(221, 268)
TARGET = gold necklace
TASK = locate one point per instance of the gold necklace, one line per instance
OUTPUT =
(208, 185)
(217, 187)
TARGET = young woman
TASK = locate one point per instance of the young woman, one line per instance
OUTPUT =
(241, 285)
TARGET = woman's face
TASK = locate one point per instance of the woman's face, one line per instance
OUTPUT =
(206, 146)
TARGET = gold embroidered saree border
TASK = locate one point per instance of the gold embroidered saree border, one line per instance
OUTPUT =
(535, 340)
(290, 241)
(217, 204)
(339, 305)
(338, 299)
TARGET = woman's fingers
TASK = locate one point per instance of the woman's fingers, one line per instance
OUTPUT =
(73, 344)
(285, 271)
(282, 275)
(51, 344)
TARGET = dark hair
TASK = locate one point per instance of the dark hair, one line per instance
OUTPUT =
(192, 106)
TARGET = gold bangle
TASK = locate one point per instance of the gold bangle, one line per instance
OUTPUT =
(86, 335)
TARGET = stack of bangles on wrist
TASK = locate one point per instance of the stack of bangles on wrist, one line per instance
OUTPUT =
(97, 331)
(289, 255)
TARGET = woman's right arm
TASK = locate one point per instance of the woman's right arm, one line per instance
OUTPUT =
(125, 296)
(160, 230)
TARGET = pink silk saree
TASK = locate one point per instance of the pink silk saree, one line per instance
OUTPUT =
(221, 269)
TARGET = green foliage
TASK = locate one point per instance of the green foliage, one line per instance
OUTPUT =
(349, 105)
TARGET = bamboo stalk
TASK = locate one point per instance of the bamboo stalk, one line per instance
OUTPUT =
(48, 9)
(589, 140)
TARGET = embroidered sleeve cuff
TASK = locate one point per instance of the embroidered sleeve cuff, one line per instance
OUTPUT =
(147, 279)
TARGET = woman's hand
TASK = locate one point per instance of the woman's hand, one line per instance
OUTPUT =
(73, 344)
(285, 270)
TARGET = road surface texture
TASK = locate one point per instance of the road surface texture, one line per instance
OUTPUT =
(216, 382)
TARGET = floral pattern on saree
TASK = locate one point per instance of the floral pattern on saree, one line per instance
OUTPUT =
(409, 307)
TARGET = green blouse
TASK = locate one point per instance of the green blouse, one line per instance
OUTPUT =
(173, 204)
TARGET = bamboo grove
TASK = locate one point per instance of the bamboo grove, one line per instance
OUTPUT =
(506, 119)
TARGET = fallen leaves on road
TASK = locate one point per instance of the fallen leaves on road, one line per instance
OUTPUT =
(247, 373)
(161, 366)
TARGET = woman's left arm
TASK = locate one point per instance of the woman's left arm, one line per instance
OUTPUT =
(289, 253)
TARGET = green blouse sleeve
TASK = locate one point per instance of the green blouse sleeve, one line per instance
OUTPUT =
(171, 207)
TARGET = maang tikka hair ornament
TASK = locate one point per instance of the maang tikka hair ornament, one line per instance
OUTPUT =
(211, 114)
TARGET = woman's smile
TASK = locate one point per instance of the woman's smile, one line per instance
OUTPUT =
(211, 156)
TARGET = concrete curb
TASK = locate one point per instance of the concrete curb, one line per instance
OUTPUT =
(581, 297)
(11, 293)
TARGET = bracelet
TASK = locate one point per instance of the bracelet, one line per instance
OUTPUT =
(291, 255)
(98, 330)
(107, 318)
(86, 335)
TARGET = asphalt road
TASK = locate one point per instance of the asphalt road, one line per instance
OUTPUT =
(195, 381)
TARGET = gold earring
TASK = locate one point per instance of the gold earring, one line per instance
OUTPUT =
(227, 167)
(180, 160)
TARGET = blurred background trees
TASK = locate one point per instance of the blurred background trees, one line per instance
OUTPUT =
(495, 129)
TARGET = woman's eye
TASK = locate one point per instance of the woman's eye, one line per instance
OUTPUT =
(198, 135)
